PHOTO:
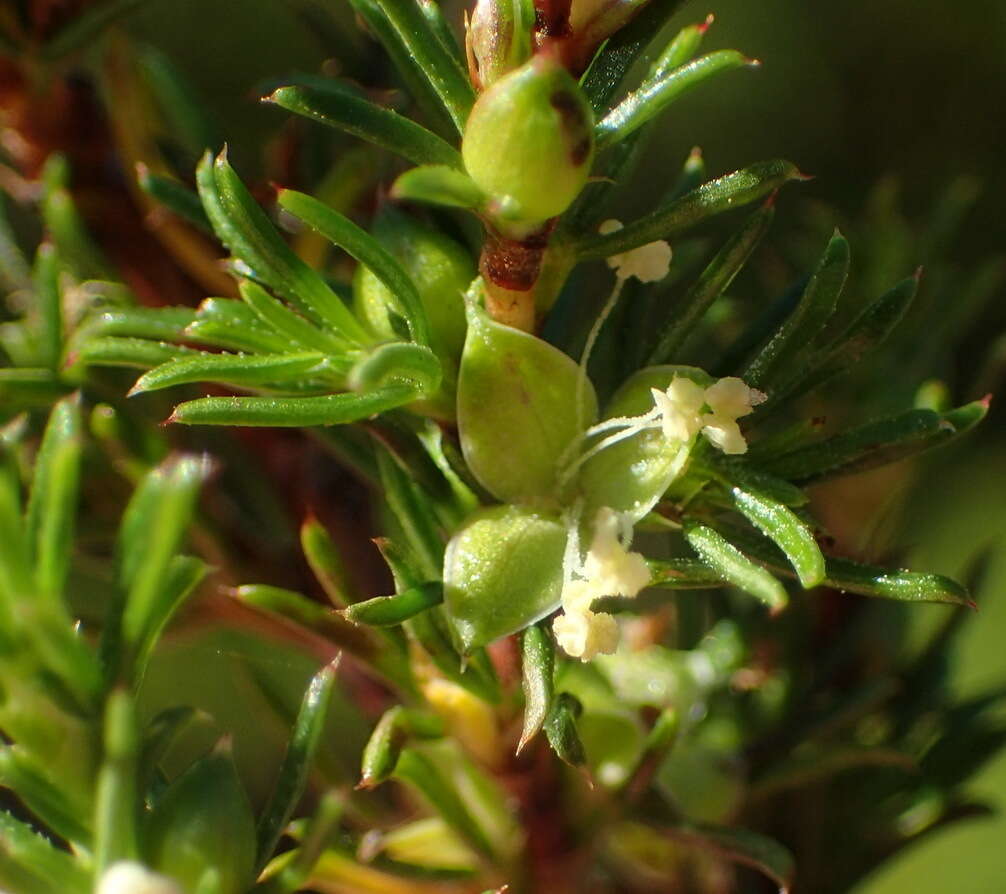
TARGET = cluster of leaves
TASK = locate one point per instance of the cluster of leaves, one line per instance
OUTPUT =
(78, 758)
(708, 727)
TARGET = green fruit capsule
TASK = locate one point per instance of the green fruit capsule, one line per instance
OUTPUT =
(204, 820)
(529, 141)
(631, 475)
(502, 572)
(521, 402)
(442, 271)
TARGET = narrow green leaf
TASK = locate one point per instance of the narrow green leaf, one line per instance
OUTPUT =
(414, 513)
(65, 225)
(159, 323)
(309, 614)
(711, 284)
(867, 332)
(613, 62)
(712, 198)
(153, 528)
(45, 278)
(388, 611)
(232, 324)
(740, 846)
(876, 443)
(131, 352)
(182, 576)
(808, 318)
(159, 734)
(239, 370)
(782, 526)
(117, 801)
(297, 762)
(173, 195)
(249, 234)
(326, 563)
(395, 728)
(55, 869)
(680, 50)
(317, 838)
(653, 97)
(299, 412)
(416, 769)
(14, 271)
(342, 107)
(52, 505)
(683, 574)
(186, 117)
(560, 728)
(367, 250)
(734, 566)
(402, 363)
(203, 819)
(441, 28)
(50, 803)
(285, 323)
(444, 72)
(408, 68)
(866, 580)
(537, 679)
(438, 185)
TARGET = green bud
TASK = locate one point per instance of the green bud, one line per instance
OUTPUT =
(442, 271)
(500, 37)
(517, 409)
(632, 475)
(502, 572)
(529, 141)
(204, 820)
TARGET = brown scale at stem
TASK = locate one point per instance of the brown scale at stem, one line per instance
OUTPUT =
(510, 269)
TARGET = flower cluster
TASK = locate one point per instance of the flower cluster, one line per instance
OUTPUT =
(686, 408)
(608, 569)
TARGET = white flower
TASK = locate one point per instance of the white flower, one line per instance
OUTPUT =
(648, 263)
(680, 408)
(127, 877)
(586, 634)
(729, 399)
(609, 567)
(725, 434)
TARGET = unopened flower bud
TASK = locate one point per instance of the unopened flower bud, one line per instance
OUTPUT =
(499, 35)
(529, 141)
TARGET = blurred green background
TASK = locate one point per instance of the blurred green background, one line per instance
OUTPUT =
(907, 94)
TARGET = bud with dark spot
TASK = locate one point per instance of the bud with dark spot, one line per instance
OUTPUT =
(529, 141)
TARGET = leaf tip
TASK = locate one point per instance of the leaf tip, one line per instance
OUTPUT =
(705, 26)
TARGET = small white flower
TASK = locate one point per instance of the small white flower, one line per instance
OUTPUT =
(725, 434)
(127, 877)
(680, 408)
(729, 399)
(648, 263)
(586, 634)
(609, 567)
